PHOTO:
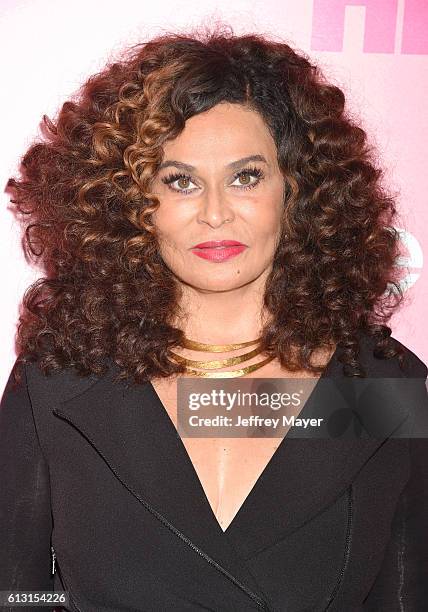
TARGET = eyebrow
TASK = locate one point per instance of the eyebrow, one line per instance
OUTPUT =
(232, 166)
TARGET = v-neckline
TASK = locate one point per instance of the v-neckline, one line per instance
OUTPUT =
(252, 494)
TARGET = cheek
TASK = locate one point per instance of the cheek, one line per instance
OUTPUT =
(266, 231)
(171, 234)
(169, 219)
(265, 218)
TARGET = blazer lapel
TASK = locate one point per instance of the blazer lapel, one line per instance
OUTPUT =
(123, 423)
(307, 474)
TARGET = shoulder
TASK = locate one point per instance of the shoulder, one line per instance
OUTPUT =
(56, 386)
(411, 366)
(412, 363)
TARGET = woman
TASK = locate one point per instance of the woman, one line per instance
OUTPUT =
(206, 208)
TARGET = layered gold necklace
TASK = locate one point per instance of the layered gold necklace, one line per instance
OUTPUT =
(205, 367)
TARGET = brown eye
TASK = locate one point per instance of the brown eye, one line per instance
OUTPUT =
(246, 178)
(182, 180)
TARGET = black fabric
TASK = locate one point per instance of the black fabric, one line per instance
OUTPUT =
(97, 469)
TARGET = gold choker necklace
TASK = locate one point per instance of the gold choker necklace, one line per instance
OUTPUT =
(206, 366)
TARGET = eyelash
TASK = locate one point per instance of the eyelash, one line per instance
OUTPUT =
(251, 171)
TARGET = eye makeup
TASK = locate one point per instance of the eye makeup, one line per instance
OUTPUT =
(252, 171)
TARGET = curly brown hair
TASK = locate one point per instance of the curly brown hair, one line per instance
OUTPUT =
(85, 190)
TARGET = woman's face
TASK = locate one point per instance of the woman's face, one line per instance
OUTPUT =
(208, 191)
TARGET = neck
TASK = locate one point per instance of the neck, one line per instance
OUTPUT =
(222, 317)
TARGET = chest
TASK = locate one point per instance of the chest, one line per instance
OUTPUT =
(227, 467)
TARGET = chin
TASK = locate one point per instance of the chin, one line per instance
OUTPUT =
(218, 284)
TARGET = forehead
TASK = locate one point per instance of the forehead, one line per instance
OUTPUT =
(226, 130)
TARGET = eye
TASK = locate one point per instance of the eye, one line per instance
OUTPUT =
(248, 173)
(183, 180)
(178, 177)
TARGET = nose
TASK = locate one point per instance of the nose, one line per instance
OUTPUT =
(215, 209)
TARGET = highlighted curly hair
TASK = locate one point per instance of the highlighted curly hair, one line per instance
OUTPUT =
(85, 190)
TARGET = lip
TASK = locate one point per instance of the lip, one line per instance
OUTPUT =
(217, 243)
(219, 250)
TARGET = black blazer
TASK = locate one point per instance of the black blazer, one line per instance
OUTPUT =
(96, 482)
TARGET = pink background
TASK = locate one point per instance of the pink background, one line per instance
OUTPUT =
(376, 50)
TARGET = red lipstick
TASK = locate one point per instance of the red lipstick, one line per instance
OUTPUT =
(218, 250)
